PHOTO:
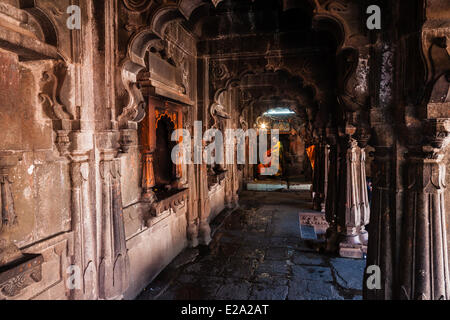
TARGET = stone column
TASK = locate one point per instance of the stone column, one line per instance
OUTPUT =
(148, 178)
(380, 245)
(204, 208)
(424, 257)
(204, 231)
(113, 256)
(332, 191)
(363, 194)
(148, 174)
(83, 227)
(320, 175)
(349, 210)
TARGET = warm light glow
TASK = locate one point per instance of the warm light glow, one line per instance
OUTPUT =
(263, 126)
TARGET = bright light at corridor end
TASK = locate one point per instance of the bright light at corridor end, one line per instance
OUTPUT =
(279, 111)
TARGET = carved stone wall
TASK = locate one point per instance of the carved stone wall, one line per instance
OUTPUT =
(76, 182)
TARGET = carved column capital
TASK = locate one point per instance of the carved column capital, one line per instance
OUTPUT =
(437, 132)
(363, 137)
(331, 136)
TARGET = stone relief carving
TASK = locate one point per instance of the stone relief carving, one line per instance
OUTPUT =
(8, 251)
(133, 65)
(218, 113)
(137, 5)
(438, 63)
(219, 71)
(14, 281)
(140, 44)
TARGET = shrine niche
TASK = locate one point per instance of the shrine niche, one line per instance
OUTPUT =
(161, 177)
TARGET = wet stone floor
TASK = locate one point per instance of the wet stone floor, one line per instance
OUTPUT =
(257, 254)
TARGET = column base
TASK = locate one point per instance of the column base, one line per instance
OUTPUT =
(350, 246)
(356, 252)
(332, 236)
(192, 235)
(204, 233)
(193, 243)
(149, 196)
(364, 237)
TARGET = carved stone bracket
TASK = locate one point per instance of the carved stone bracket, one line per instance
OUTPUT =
(218, 113)
(51, 83)
(161, 74)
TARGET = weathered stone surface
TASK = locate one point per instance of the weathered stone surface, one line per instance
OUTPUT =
(304, 258)
(312, 273)
(312, 290)
(349, 273)
(234, 291)
(269, 293)
(258, 272)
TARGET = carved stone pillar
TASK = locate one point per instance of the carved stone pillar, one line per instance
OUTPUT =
(380, 245)
(113, 256)
(320, 175)
(193, 201)
(149, 142)
(349, 210)
(331, 204)
(363, 194)
(424, 259)
(83, 227)
(148, 178)
(204, 231)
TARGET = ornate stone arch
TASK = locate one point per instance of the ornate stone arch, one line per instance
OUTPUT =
(134, 64)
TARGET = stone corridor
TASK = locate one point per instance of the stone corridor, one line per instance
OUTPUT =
(257, 254)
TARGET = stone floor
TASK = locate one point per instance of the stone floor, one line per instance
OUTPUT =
(257, 254)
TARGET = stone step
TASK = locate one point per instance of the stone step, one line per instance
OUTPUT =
(278, 185)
